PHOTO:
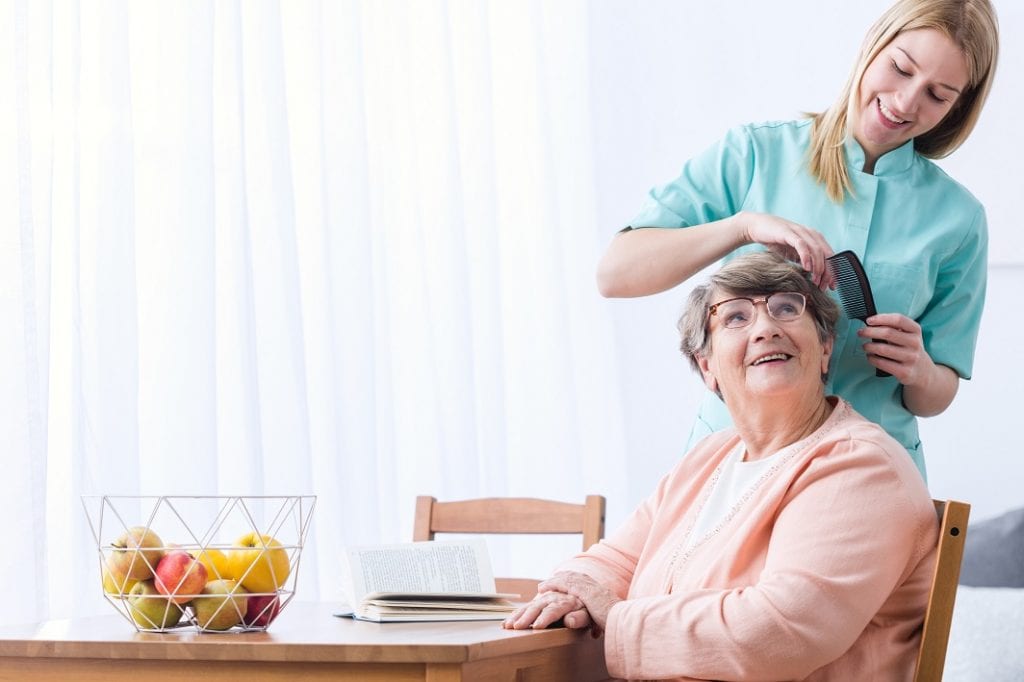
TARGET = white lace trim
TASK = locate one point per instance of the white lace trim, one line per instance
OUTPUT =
(682, 554)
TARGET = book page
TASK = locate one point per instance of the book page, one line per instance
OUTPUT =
(420, 567)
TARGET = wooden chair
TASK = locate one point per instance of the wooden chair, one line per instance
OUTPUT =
(518, 515)
(939, 615)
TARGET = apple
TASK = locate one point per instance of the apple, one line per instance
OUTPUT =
(216, 563)
(116, 584)
(262, 566)
(179, 576)
(136, 553)
(262, 610)
(221, 606)
(150, 609)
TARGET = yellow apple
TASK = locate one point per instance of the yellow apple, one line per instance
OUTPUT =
(216, 563)
(221, 605)
(262, 566)
(114, 583)
(136, 553)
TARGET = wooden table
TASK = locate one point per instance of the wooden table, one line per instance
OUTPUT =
(305, 643)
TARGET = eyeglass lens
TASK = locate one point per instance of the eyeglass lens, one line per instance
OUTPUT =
(783, 306)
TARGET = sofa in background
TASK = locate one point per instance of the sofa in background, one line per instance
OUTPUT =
(986, 641)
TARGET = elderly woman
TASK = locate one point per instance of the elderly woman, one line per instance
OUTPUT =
(797, 545)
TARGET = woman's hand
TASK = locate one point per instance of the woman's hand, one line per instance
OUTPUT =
(895, 344)
(597, 599)
(790, 240)
(547, 608)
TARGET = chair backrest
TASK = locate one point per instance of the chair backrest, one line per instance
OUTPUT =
(518, 515)
(938, 617)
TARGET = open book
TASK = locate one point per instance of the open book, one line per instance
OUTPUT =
(424, 581)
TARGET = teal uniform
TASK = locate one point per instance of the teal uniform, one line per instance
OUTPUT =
(922, 237)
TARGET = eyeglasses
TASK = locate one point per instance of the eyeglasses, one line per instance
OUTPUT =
(783, 306)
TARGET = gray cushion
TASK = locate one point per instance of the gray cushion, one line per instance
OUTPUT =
(985, 640)
(994, 552)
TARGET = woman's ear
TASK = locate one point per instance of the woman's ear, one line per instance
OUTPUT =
(705, 371)
(826, 354)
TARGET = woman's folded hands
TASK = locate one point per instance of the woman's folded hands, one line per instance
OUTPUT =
(575, 599)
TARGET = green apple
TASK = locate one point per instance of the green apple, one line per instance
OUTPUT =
(150, 609)
(136, 553)
(259, 562)
(221, 606)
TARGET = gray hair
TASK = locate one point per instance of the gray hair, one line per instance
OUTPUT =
(758, 273)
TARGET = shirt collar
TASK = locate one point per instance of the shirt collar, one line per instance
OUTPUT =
(890, 163)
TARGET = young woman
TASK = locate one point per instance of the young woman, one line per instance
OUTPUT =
(857, 177)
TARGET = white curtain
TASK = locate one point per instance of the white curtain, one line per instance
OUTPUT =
(335, 248)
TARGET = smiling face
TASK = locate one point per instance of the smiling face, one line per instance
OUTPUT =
(766, 360)
(906, 90)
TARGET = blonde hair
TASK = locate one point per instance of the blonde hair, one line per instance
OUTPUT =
(971, 25)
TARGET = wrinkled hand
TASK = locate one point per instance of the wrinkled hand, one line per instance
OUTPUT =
(596, 598)
(792, 241)
(894, 344)
(547, 608)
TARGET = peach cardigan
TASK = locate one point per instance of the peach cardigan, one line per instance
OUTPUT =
(820, 572)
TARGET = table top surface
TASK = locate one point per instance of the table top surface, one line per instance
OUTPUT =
(303, 631)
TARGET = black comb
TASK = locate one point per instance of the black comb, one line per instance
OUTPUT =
(854, 290)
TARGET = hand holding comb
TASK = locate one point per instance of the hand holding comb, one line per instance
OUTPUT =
(854, 290)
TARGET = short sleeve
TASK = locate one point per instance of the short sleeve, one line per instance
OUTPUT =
(711, 186)
(949, 324)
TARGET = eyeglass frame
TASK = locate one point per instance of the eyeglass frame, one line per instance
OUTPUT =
(713, 308)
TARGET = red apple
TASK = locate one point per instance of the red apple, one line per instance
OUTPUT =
(261, 610)
(180, 576)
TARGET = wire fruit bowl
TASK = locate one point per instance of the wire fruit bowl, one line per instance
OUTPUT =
(213, 563)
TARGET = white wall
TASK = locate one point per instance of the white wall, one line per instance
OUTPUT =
(668, 78)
